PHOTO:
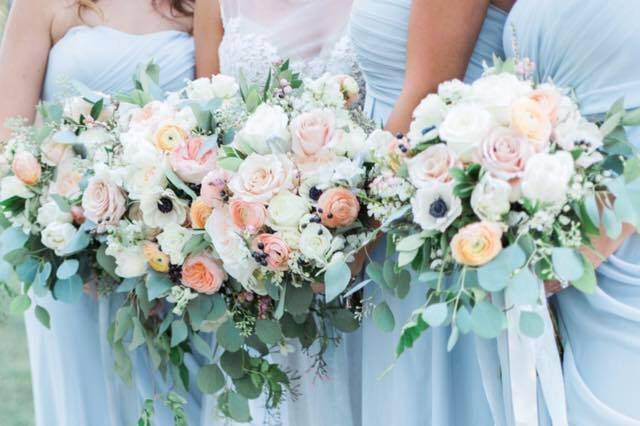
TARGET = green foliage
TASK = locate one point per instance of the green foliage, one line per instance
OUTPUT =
(487, 320)
(383, 317)
(210, 379)
(336, 279)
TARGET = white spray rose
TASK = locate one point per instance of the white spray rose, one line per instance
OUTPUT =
(130, 261)
(547, 176)
(57, 236)
(490, 198)
(49, 212)
(465, 126)
(315, 242)
(172, 241)
(219, 86)
(497, 92)
(265, 132)
(285, 211)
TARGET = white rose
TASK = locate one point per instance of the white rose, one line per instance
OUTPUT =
(49, 212)
(345, 171)
(580, 134)
(490, 198)
(130, 261)
(265, 132)
(55, 153)
(172, 241)
(57, 236)
(453, 90)
(315, 242)
(352, 143)
(379, 142)
(285, 211)
(546, 177)
(426, 118)
(497, 92)
(219, 86)
(435, 207)
(260, 177)
(11, 186)
(145, 179)
(161, 209)
(291, 237)
(464, 128)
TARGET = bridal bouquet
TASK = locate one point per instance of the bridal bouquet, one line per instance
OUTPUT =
(496, 188)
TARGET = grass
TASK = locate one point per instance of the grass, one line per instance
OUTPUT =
(16, 401)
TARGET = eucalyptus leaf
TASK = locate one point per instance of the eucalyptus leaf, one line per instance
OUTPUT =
(411, 243)
(179, 332)
(336, 279)
(453, 338)
(298, 299)
(201, 346)
(20, 304)
(67, 269)
(383, 317)
(588, 282)
(374, 272)
(436, 315)
(229, 336)
(268, 331)
(234, 363)
(567, 263)
(12, 239)
(210, 379)
(487, 320)
(68, 290)
(612, 225)
(523, 288)
(246, 387)
(531, 324)
(406, 257)
(463, 320)
(158, 284)
(239, 408)
(43, 316)
(344, 320)
(495, 275)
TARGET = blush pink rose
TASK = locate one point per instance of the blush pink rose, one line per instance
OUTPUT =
(338, 207)
(548, 99)
(54, 153)
(67, 181)
(274, 251)
(260, 177)
(203, 273)
(504, 153)
(191, 162)
(312, 132)
(104, 203)
(26, 168)
(432, 164)
(213, 190)
(249, 217)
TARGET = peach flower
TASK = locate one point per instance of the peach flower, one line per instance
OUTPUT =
(549, 100)
(477, 244)
(338, 207)
(529, 118)
(157, 260)
(260, 177)
(247, 216)
(213, 189)
(104, 203)
(271, 251)
(199, 213)
(312, 132)
(26, 168)
(203, 273)
(504, 153)
(190, 163)
(168, 137)
(54, 153)
(432, 164)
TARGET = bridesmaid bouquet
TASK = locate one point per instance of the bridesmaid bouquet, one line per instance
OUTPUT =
(498, 187)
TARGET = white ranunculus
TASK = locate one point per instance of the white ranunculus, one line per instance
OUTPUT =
(130, 261)
(285, 211)
(581, 134)
(11, 186)
(172, 241)
(547, 176)
(265, 132)
(426, 118)
(435, 207)
(464, 128)
(497, 92)
(161, 209)
(57, 236)
(145, 179)
(315, 242)
(490, 198)
(49, 212)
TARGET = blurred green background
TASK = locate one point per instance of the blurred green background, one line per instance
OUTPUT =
(16, 404)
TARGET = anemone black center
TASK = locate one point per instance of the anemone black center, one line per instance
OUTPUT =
(314, 193)
(165, 205)
(438, 208)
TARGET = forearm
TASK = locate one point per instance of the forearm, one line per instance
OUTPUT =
(208, 33)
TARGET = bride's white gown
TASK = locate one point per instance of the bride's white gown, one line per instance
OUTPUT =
(313, 35)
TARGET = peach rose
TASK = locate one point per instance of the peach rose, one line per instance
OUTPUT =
(157, 260)
(103, 202)
(199, 213)
(190, 163)
(168, 137)
(431, 165)
(53, 154)
(213, 190)
(248, 217)
(271, 251)
(530, 119)
(203, 273)
(477, 244)
(26, 168)
(504, 153)
(312, 132)
(549, 100)
(338, 207)
(260, 177)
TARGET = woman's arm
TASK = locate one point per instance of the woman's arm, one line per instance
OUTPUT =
(23, 59)
(208, 32)
(442, 36)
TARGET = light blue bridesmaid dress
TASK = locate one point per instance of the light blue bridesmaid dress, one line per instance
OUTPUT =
(74, 382)
(428, 385)
(593, 47)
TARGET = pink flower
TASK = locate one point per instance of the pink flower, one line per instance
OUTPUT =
(274, 250)
(26, 168)
(432, 164)
(312, 132)
(530, 119)
(338, 207)
(214, 188)
(247, 216)
(191, 162)
(54, 153)
(104, 203)
(67, 181)
(548, 99)
(260, 177)
(203, 273)
(504, 153)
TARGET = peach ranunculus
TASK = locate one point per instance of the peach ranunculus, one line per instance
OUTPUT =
(191, 161)
(504, 153)
(169, 137)
(338, 207)
(26, 168)
(157, 260)
(199, 213)
(432, 164)
(529, 118)
(271, 252)
(260, 177)
(103, 202)
(312, 132)
(549, 100)
(249, 217)
(67, 181)
(203, 273)
(477, 244)
(213, 189)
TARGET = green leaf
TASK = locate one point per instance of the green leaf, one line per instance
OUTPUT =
(612, 225)
(20, 304)
(158, 284)
(234, 363)
(40, 282)
(43, 316)
(567, 263)
(531, 324)
(201, 346)
(268, 331)
(383, 317)
(463, 320)
(178, 183)
(298, 299)
(62, 202)
(611, 123)
(523, 288)
(80, 240)
(344, 321)
(588, 282)
(106, 262)
(68, 290)
(96, 109)
(406, 257)
(632, 118)
(138, 337)
(229, 336)
(374, 272)
(127, 285)
(436, 315)
(411, 331)
(487, 320)
(239, 408)
(336, 279)
(494, 276)
(13, 239)
(246, 386)
(210, 379)
(27, 270)
(67, 269)
(453, 338)
(632, 166)
(411, 243)
(179, 332)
